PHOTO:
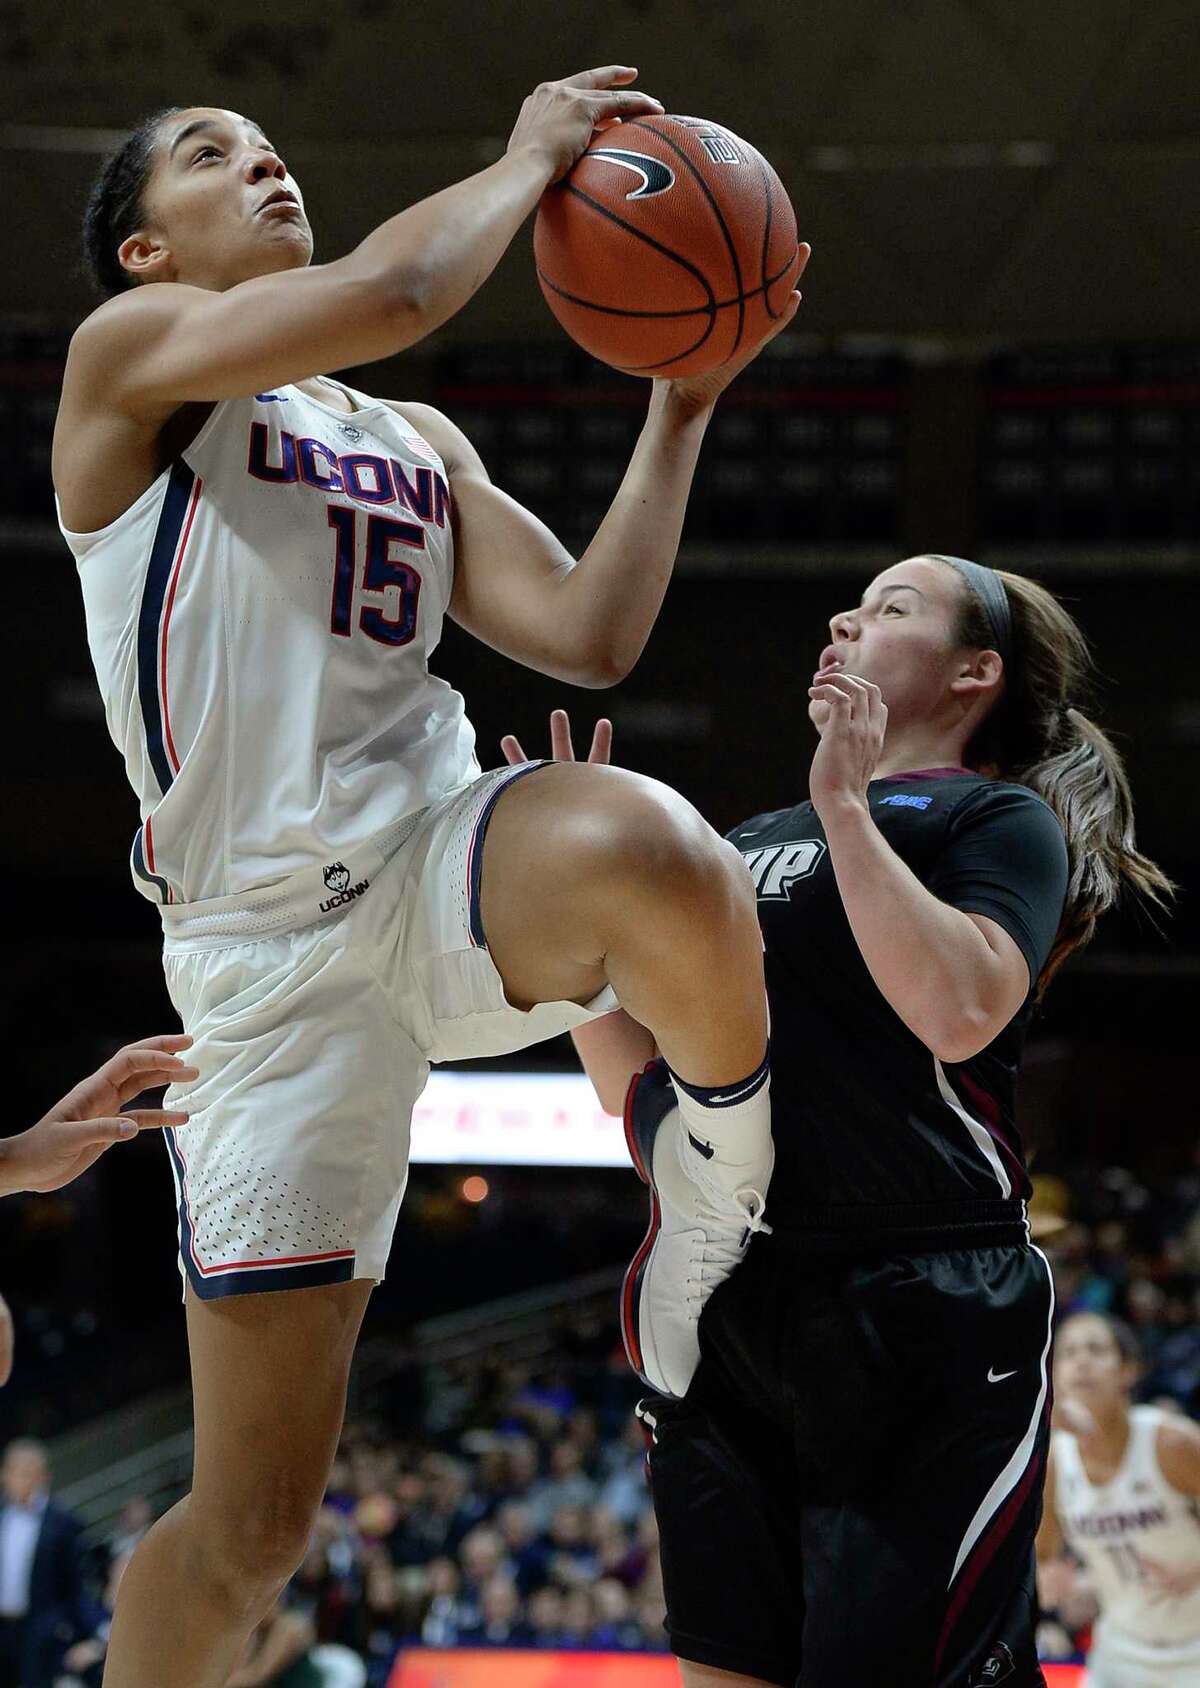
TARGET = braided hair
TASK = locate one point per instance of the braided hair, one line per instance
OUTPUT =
(116, 207)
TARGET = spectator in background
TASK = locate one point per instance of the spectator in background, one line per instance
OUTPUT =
(84, 1660)
(543, 1403)
(624, 1493)
(567, 1485)
(408, 1543)
(578, 1618)
(41, 1571)
(609, 1543)
(445, 1617)
(500, 1623)
(522, 1467)
(545, 1613)
(526, 1554)
(616, 1630)
(1175, 1367)
(583, 1432)
(652, 1616)
(136, 1517)
(481, 1557)
(451, 1510)
(572, 1559)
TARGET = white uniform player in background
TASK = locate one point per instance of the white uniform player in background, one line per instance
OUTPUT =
(267, 556)
(1123, 1498)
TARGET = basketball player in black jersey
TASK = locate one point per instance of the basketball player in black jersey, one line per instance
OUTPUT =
(849, 1490)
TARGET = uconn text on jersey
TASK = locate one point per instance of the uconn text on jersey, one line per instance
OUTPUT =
(357, 474)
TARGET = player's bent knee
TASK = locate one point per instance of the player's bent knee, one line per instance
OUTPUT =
(655, 839)
(246, 1552)
(695, 873)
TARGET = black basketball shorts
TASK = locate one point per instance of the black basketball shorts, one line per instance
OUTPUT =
(848, 1496)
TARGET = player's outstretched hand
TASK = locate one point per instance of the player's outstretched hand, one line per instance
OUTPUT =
(1165, 1583)
(851, 717)
(701, 392)
(6, 1342)
(77, 1130)
(1056, 1580)
(561, 747)
(559, 118)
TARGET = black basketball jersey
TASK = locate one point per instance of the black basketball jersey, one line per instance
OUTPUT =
(872, 1133)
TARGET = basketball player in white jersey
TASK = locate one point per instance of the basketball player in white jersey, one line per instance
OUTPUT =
(266, 557)
(1123, 1493)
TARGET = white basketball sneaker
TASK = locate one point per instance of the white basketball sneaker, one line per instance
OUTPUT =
(703, 1212)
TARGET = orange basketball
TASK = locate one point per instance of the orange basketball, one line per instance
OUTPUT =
(668, 247)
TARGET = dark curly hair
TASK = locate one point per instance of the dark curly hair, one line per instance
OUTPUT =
(115, 206)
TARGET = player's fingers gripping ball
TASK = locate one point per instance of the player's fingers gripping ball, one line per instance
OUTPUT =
(668, 248)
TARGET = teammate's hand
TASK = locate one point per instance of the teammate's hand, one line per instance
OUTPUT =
(561, 747)
(1073, 1415)
(77, 1130)
(559, 118)
(701, 392)
(851, 717)
(1167, 1582)
(1056, 1582)
(6, 1342)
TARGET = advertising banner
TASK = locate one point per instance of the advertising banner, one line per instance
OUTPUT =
(466, 1668)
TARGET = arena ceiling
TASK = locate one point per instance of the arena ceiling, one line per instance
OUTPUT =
(967, 170)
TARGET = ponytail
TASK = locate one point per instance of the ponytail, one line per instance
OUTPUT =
(1038, 736)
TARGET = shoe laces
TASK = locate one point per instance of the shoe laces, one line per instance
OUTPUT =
(722, 1248)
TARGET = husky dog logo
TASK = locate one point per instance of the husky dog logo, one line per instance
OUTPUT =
(337, 876)
(337, 881)
(656, 176)
(351, 432)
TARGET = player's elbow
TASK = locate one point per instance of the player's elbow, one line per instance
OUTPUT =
(611, 1096)
(402, 296)
(612, 661)
(594, 667)
(960, 1035)
(604, 672)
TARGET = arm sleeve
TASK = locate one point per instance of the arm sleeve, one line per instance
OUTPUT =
(1005, 857)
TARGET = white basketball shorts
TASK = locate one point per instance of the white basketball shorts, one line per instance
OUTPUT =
(316, 1006)
(1120, 1660)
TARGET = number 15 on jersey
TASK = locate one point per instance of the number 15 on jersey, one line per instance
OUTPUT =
(390, 614)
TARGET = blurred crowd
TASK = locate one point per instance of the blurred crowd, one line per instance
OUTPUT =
(487, 1501)
(1123, 1245)
(1129, 1247)
(520, 1518)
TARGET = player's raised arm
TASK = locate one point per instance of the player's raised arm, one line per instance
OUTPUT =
(213, 190)
(519, 590)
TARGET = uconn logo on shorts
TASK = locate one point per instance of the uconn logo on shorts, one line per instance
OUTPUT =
(337, 880)
(777, 867)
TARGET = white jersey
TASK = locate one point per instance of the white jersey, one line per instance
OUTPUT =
(1122, 1528)
(261, 621)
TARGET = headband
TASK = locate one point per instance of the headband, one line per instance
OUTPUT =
(988, 587)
